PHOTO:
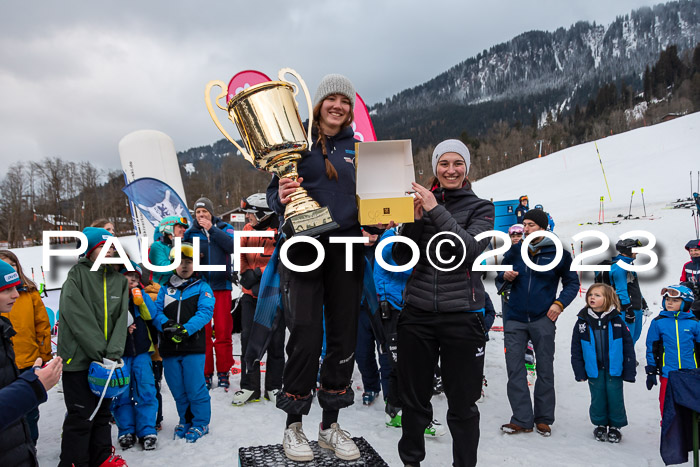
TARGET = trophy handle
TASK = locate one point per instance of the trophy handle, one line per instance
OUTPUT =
(212, 114)
(280, 75)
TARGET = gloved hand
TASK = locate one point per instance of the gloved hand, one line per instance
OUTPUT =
(629, 313)
(234, 278)
(251, 277)
(645, 308)
(651, 376)
(171, 323)
(174, 331)
(177, 333)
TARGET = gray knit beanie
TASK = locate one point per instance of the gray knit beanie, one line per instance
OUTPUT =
(206, 204)
(451, 145)
(335, 84)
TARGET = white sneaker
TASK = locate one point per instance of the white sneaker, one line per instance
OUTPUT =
(435, 429)
(272, 395)
(296, 446)
(245, 395)
(338, 441)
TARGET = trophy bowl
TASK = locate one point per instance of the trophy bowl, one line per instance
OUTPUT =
(267, 118)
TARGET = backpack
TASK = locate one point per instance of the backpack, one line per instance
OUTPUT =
(603, 277)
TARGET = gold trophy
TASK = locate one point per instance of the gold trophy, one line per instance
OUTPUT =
(267, 118)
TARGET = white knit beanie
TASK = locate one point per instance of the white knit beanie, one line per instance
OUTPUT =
(451, 145)
(335, 84)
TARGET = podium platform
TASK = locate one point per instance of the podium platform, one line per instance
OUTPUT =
(273, 456)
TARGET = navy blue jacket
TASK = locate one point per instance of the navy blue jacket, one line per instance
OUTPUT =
(602, 343)
(140, 341)
(19, 394)
(533, 292)
(217, 247)
(338, 196)
(520, 212)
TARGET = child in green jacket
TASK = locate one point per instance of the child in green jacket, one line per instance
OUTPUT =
(93, 326)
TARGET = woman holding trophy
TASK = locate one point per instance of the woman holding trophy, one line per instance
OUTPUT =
(327, 172)
(444, 313)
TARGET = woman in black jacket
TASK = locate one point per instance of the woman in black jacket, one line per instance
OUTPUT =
(444, 313)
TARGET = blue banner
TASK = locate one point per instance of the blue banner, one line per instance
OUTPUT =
(156, 200)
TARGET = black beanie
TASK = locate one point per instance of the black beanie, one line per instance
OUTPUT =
(539, 217)
(206, 204)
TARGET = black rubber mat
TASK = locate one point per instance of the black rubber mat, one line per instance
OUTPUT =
(273, 456)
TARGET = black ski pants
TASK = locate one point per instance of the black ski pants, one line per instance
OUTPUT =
(458, 340)
(84, 442)
(329, 291)
(250, 377)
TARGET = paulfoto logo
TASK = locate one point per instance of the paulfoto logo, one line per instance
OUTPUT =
(445, 251)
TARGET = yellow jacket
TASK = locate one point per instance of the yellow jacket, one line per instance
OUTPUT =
(31, 322)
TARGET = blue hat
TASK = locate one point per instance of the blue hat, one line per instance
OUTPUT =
(8, 276)
(95, 237)
(137, 270)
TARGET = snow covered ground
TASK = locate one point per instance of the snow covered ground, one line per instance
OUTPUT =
(569, 184)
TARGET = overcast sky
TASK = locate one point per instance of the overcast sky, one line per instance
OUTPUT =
(77, 76)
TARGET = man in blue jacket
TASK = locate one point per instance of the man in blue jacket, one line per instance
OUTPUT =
(533, 309)
(215, 248)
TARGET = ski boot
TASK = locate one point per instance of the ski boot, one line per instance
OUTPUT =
(244, 396)
(271, 395)
(393, 416)
(223, 381)
(368, 397)
(149, 442)
(435, 429)
(601, 433)
(208, 381)
(193, 434)
(614, 435)
(181, 431)
(114, 461)
(127, 441)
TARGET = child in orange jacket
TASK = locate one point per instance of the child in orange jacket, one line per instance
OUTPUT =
(31, 322)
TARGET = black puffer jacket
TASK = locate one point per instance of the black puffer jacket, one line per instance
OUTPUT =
(16, 448)
(459, 212)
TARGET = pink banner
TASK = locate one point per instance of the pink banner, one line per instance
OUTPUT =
(244, 80)
(364, 130)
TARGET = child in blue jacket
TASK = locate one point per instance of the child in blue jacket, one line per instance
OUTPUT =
(135, 410)
(185, 304)
(673, 338)
(602, 352)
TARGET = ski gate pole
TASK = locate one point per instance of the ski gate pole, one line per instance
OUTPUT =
(43, 285)
(629, 214)
(603, 169)
(644, 204)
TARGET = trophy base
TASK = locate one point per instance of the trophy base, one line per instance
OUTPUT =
(310, 223)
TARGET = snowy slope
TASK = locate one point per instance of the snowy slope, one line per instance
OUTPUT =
(569, 185)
